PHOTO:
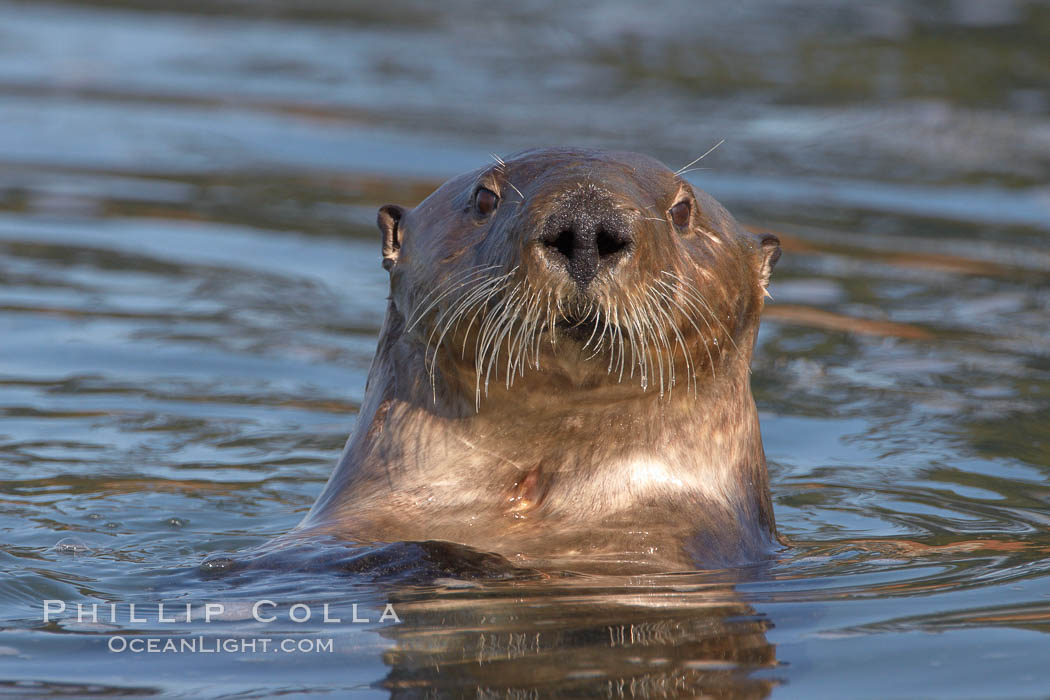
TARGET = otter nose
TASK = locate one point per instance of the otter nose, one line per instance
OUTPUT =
(586, 244)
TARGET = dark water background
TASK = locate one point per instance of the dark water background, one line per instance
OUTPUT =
(190, 293)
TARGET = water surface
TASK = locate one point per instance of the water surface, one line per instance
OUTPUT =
(190, 294)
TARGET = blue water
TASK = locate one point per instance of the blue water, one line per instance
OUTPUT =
(190, 293)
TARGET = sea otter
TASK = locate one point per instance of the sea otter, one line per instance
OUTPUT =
(562, 376)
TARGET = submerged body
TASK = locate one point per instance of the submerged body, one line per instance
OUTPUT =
(563, 372)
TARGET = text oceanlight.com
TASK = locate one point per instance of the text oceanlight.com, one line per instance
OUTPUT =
(257, 612)
(225, 645)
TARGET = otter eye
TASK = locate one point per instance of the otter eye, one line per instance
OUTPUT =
(680, 213)
(485, 201)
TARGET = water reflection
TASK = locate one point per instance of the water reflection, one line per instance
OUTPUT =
(670, 637)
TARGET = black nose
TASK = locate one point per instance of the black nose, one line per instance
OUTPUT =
(586, 243)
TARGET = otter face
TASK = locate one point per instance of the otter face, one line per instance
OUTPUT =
(590, 266)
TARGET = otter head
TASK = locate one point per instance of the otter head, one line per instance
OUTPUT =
(574, 269)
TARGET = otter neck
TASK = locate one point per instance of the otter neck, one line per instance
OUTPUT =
(546, 422)
(549, 456)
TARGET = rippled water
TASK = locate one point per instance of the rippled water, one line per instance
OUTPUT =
(190, 295)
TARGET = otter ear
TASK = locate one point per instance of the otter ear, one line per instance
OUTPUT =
(770, 254)
(389, 221)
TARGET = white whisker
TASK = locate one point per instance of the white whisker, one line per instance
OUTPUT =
(694, 162)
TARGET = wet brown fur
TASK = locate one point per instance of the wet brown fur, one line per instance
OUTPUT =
(495, 428)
